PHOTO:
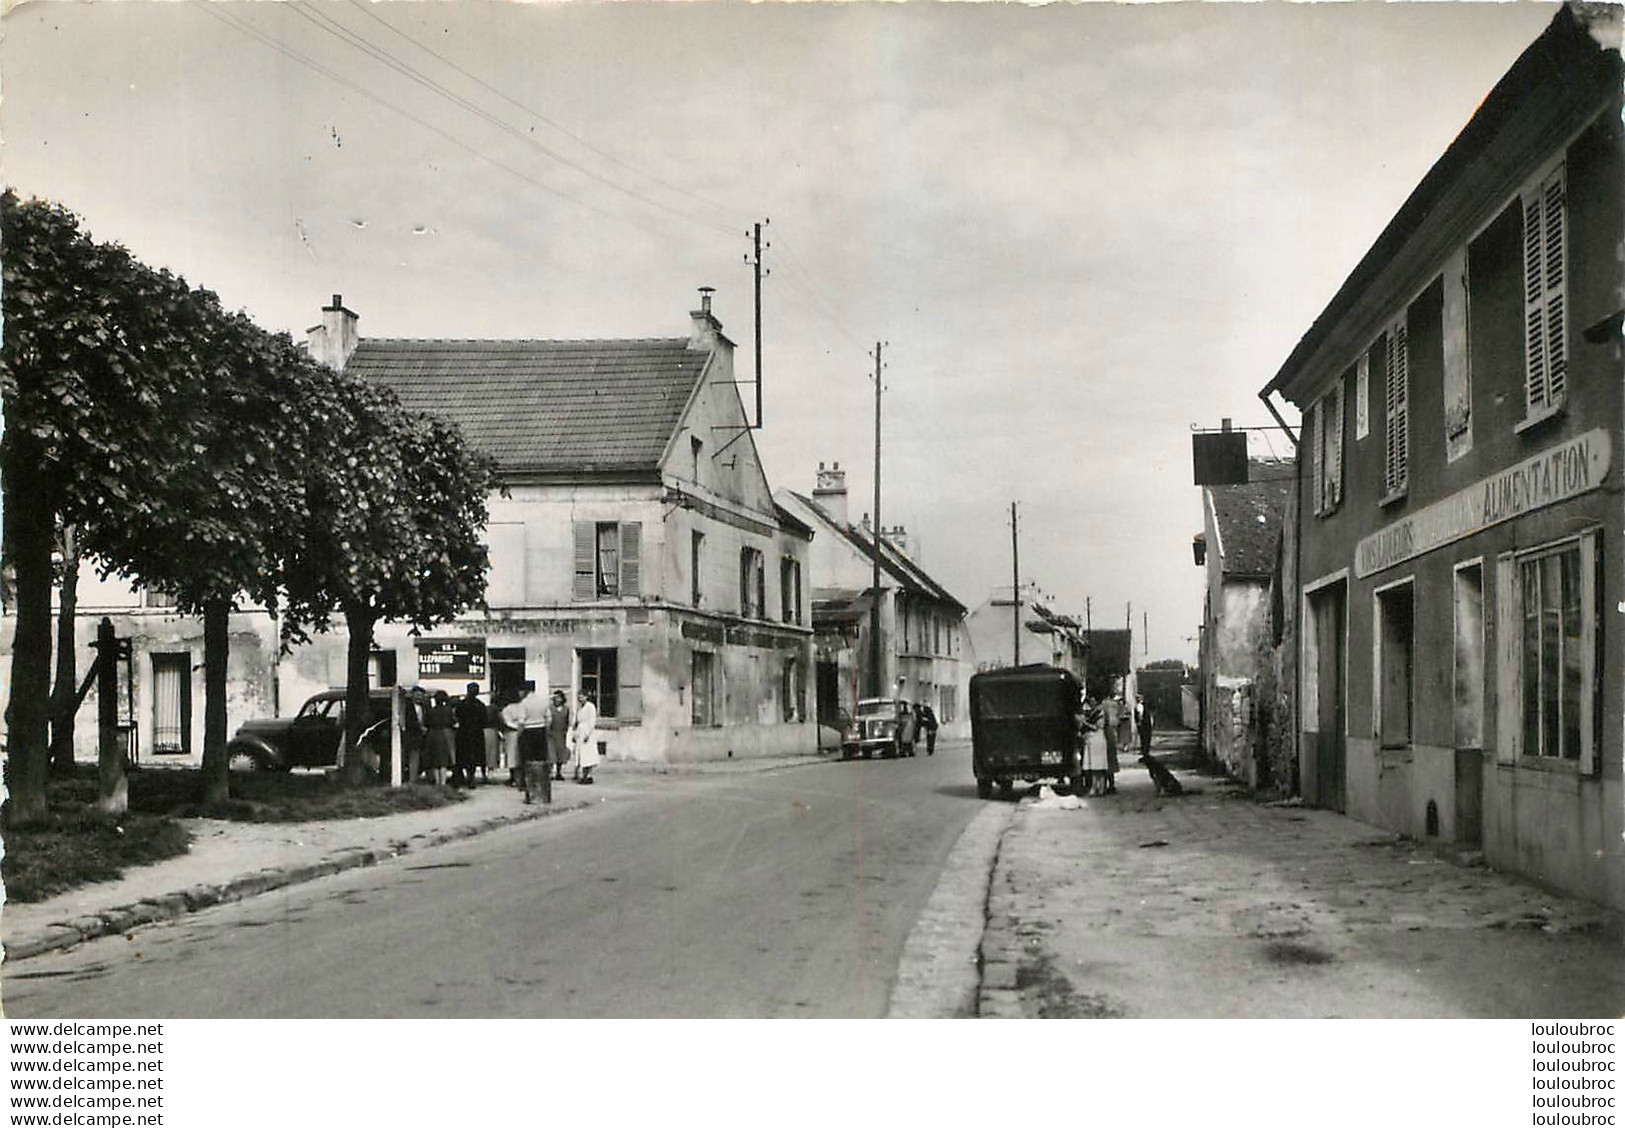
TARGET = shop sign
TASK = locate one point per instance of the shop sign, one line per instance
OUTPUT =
(1555, 475)
(461, 658)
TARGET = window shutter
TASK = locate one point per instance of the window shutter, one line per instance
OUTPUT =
(585, 551)
(1590, 642)
(760, 565)
(1555, 239)
(631, 557)
(1362, 396)
(1508, 659)
(629, 672)
(1397, 408)
(744, 582)
(1317, 441)
(1458, 381)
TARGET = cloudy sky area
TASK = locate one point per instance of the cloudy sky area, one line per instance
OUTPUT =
(1081, 228)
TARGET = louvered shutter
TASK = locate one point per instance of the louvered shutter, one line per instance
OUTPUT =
(1508, 659)
(582, 586)
(1545, 239)
(629, 672)
(631, 559)
(1317, 446)
(1397, 402)
(1362, 396)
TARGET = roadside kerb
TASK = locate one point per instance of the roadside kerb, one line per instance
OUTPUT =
(121, 918)
(939, 974)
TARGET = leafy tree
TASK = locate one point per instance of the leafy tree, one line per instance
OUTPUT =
(98, 352)
(405, 501)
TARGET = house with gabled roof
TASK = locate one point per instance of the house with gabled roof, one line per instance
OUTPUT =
(1240, 546)
(923, 651)
(1046, 635)
(637, 553)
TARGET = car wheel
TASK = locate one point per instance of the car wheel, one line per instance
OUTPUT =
(1007, 788)
(984, 789)
(241, 761)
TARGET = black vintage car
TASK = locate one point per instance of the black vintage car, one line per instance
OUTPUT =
(1024, 725)
(309, 738)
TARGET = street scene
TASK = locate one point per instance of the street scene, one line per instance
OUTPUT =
(702, 512)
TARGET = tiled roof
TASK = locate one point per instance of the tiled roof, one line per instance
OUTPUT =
(1249, 517)
(545, 406)
(909, 575)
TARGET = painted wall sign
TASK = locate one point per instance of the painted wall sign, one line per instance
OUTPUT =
(1563, 472)
(452, 658)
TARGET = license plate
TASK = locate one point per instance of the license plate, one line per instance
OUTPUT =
(1051, 758)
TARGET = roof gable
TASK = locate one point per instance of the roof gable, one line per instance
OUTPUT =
(1248, 517)
(546, 406)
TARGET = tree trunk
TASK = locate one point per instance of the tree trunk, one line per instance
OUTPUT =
(216, 650)
(65, 700)
(29, 529)
(113, 790)
(358, 621)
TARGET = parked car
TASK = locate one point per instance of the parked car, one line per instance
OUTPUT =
(885, 725)
(310, 738)
(1024, 725)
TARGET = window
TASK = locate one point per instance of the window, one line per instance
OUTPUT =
(695, 551)
(1458, 381)
(158, 599)
(1395, 654)
(507, 671)
(752, 584)
(1556, 634)
(694, 445)
(172, 704)
(790, 691)
(1327, 424)
(790, 588)
(598, 678)
(381, 669)
(1544, 304)
(1396, 363)
(703, 688)
(607, 560)
(947, 705)
(1469, 661)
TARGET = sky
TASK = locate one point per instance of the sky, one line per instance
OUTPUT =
(1079, 229)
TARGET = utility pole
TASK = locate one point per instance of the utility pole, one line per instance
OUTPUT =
(1145, 632)
(1015, 586)
(754, 260)
(877, 678)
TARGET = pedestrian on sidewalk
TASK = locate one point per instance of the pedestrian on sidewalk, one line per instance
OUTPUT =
(1092, 755)
(510, 719)
(926, 722)
(411, 733)
(493, 739)
(1143, 720)
(558, 734)
(471, 721)
(586, 736)
(438, 750)
(533, 717)
(1114, 714)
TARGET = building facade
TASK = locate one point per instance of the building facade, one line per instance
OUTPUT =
(1461, 655)
(1046, 635)
(922, 626)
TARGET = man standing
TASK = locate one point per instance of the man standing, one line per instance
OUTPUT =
(533, 745)
(927, 724)
(471, 722)
(1143, 720)
(586, 737)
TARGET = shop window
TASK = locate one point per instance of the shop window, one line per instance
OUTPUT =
(507, 672)
(1556, 600)
(599, 678)
(1395, 665)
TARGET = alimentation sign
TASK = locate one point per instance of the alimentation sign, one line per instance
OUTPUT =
(1558, 474)
(461, 658)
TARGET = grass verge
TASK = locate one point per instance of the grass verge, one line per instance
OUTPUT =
(76, 848)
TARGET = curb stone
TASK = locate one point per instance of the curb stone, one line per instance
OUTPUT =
(172, 906)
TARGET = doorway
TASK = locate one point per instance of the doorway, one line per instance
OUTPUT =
(1326, 785)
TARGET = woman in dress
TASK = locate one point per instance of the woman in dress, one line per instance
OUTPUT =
(438, 752)
(1092, 762)
(586, 737)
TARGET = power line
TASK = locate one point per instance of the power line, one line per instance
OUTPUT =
(720, 209)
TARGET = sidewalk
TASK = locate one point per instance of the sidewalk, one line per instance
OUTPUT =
(1210, 905)
(229, 861)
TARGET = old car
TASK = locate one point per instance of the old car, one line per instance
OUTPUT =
(309, 738)
(1024, 726)
(885, 725)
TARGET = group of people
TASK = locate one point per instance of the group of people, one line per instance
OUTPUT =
(531, 735)
(1104, 728)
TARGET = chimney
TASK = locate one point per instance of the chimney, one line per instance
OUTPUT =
(830, 492)
(704, 330)
(334, 341)
(899, 539)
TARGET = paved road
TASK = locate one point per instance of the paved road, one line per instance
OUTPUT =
(763, 894)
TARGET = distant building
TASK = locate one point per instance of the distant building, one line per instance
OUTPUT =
(923, 653)
(1458, 496)
(1047, 635)
(1241, 536)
